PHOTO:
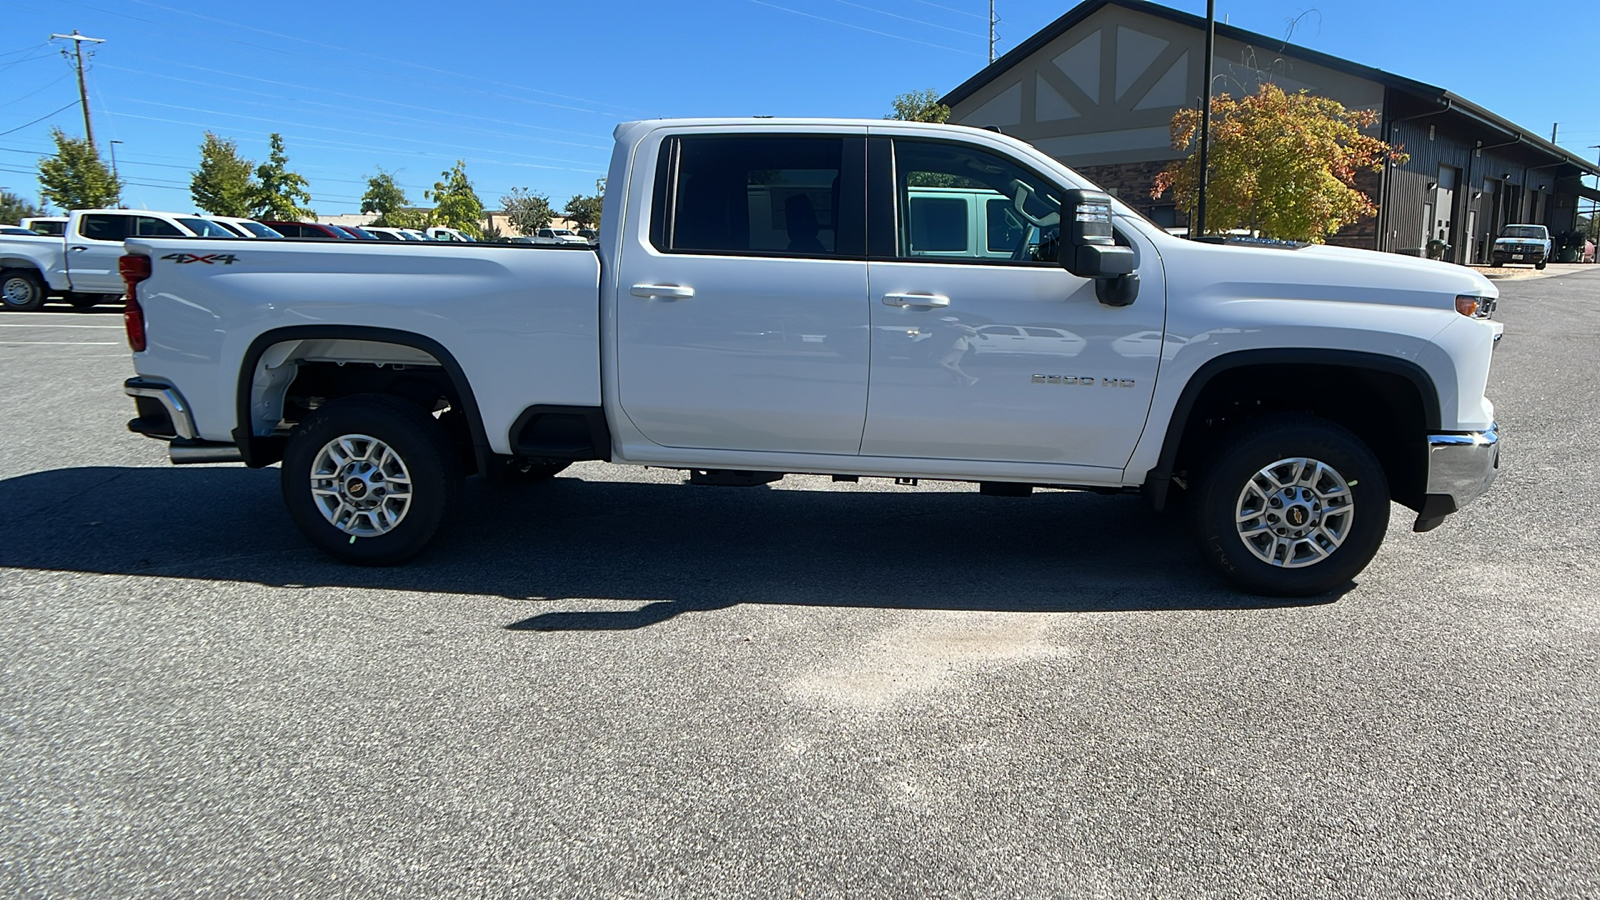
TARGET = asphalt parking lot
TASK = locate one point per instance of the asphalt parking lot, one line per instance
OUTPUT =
(616, 686)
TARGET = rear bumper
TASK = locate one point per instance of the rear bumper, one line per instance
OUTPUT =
(164, 415)
(1460, 468)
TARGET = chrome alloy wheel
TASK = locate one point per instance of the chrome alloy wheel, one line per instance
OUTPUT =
(1294, 512)
(360, 485)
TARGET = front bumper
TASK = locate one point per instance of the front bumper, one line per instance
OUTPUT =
(1460, 468)
(1526, 257)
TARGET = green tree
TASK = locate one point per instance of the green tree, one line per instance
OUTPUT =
(919, 106)
(455, 203)
(385, 197)
(584, 212)
(75, 178)
(13, 208)
(280, 193)
(1281, 164)
(224, 184)
(527, 211)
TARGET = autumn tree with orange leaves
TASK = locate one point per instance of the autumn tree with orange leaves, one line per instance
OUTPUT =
(1283, 165)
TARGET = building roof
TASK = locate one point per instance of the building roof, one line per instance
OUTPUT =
(1447, 101)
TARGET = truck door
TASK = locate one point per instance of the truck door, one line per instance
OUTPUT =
(741, 308)
(94, 244)
(994, 352)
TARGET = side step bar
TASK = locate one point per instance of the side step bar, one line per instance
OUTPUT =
(190, 452)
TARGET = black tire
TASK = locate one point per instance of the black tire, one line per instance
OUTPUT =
(520, 471)
(415, 437)
(21, 290)
(1538, 265)
(1496, 264)
(1221, 492)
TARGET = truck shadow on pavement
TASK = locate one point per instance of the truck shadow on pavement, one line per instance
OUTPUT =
(672, 548)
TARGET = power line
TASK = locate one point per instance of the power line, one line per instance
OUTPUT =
(40, 119)
(898, 37)
(884, 12)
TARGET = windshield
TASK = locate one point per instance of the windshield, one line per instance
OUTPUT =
(1536, 232)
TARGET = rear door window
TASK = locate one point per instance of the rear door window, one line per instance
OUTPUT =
(105, 227)
(759, 195)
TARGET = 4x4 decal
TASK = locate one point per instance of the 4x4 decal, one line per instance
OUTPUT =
(182, 259)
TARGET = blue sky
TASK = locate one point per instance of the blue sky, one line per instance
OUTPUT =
(528, 93)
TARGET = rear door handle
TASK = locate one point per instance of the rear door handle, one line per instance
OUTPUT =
(79, 249)
(916, 301)
(664, 291)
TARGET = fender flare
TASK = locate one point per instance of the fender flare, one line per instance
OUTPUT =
(1157, 479)
(264, 451)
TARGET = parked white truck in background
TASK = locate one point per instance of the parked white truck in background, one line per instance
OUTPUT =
(81, 265)
(1523, 245)
(767, 299)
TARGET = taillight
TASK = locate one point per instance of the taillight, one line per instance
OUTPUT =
(134, 269)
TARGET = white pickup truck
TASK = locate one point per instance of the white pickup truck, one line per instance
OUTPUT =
(81, 264)
(791, 296)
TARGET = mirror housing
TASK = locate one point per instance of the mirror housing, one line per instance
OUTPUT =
(1091, 249)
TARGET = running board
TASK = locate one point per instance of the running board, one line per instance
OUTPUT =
(191, 452)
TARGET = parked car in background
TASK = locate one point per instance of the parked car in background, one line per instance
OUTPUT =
(384, 233)
(357, 232)
(415, 234)
(203, 227)
(556, 236)
(312, 230)
(1527, 244)
(249, 228)
(441, 233)
(80, 266)
(590, 235)
(18, 229)
(55, 226)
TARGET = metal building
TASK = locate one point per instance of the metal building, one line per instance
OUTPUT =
(1098, 87)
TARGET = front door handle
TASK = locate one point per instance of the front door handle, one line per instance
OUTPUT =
(79, 249)
(916, 301)
(664, 291)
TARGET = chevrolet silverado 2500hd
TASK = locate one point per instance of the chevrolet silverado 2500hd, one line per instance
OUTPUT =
(852, 298)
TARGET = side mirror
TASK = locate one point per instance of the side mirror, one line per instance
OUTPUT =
(1091, 251)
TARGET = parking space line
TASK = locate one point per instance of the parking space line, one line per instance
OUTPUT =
(60, 343)
(48, 325)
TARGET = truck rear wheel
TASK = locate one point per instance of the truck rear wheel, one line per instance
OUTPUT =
(21, 290)
(1291, 506)
(369, 479)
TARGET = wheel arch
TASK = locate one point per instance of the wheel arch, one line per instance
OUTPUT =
(1384, 393)
(264, 450)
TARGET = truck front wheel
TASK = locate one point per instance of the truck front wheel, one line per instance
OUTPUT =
(369, 479)
(21, 289)
(1291, 506)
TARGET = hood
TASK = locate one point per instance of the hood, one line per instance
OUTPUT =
(1321, 272)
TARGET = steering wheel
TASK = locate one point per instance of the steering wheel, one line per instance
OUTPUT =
(1019, 201)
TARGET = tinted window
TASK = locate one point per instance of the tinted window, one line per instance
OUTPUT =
(767, 195)
(999, 330)
(384, 236)
(105, 227)
(1043, 332)
(54, 229)
(147, 226)
(938, 225)
(207, 228)
(259, 230)
(1021, 210)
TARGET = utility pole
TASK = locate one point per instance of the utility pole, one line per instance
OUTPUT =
(1197, 228)
(992, 22)
(83, 91)
(1553, 132)
(113, 148)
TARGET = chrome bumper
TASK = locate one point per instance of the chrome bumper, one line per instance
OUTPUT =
(169, 398)
(1460, 468)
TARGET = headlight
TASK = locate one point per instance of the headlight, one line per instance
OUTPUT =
(1476, 307)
